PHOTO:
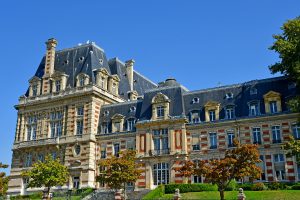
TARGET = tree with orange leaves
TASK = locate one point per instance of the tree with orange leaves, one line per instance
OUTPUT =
(238, 162)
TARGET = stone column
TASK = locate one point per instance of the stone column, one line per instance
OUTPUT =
(184, 140)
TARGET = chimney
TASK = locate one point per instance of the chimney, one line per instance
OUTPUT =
(49, 65)
(129, 70)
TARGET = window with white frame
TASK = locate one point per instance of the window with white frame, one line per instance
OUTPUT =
(230, 137)
(160, 141)
(114, 88)
(80, 111)
(229, 112)
(102, 82)
(161, 173)
(196, 142)
(212, 115)
(117, 126)
(53, 155)
(276, 134)
(263, 168)
(31, 127)
(79, 121)
(296, 131)
(160, 111)
(81, 81)
(34, 90)
(254, 109)
(56, 124)
(41, 157)
(213, 140)
(196, 179)
(131, 124)
(195, 117)
(105, 127)
(130, 144)
(273, 107)
(278, 158)
(256, 134)
(103, 151)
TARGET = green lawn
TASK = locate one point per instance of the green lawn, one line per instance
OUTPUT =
(250, 195)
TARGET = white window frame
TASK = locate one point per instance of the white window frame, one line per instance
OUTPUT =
(212, 115)
(276, 134)
(256, 135)
(161, 173)
(213, 140)
(160, 111)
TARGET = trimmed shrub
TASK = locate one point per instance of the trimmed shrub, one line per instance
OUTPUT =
(231, 186)
(258, 187)
(184, 188)
(86, 192)
(296, 187)
(245, 186)
(274, 186)
(156, 193)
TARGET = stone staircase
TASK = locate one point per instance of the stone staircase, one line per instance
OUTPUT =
(102, 194)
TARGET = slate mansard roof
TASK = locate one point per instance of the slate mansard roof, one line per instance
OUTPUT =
(86, 59)
(181, 100)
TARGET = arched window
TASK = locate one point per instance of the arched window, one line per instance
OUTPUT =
(161, 173)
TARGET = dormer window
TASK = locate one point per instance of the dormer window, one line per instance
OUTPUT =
(81, 81)
(34, 90)
(273, 107)
(57, 85)
(131, 124)
(253, 91)
(160, 111)
(229, 112)
(117, 123)
(229, 95)
(253, 109)
(212, 115)
(102, 82)
(132, 109)
(106, 113)
(105, 128)
(195, 100)
(195, 117)
(114, 88)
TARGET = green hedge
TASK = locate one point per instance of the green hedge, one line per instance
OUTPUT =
(196, 187)
(37, 195)
(296, 187)
(156, 193)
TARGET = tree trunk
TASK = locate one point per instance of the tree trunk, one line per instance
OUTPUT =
(222, 194)
(124, 191)
(48, 192)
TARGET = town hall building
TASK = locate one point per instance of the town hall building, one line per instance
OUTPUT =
(82, 107)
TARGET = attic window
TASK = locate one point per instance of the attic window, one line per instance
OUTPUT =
(66, 62)
(195, 100)
(106, 113)
(101, 61)
(291, 85)
(132, 109)
(229, 95)
(81, 58)
(253, 91)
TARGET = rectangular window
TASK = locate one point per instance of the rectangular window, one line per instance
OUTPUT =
(213, 140)
(212, 115)
(56, 124)
(79, 127)
(256, 135)
(195, 143)
(103, 151)
(114, 88)
(105, 128)
(102, 82)
(280, 174)
(31, 128)
(80, 111)
(229, 113)
(278, 158)
(160, 141)
(34, 90)
(54, 155)
(130, 124)
(195, 118)
(57, 85)
(117, 126)
(28, 161)
(253, 109)
(81, 81)
(130, 144)
(116, 149)
(160, 111)
(41, 157)
(230, 137)
(296, 131)
(276, 134)
(273, 107)
(263, 168)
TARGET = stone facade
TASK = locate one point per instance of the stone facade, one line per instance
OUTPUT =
(82, 108)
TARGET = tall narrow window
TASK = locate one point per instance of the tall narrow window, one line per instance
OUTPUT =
(117, 149)
(57, 85)
(117, 126)
(276, 134)
(114, 88)
(279, 166)
(28, 161)
(263, 168)
(79, 127)
(213, 140)
(161, 173)
(34, 90)
(278, 158)
(195, 143)
(273, 107)
(195, 117)
(80, 111)
(230, 137)
(253, 109)
(104, 128)
(229, 113)
(160, 111)
(103, 151)
(131, 124)
(296, 131)
(130, 144)
(256, 135)
(102, 82)
(41, 157)
(212, 115)
(160, 141)
(31, 128)
(81, 81)
(56, 124)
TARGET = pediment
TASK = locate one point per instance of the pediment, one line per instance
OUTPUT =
(117, 116)
(34, 79)
(212, 104)
(160, 98)
(115, 77)
(58, 74)
(271, 94)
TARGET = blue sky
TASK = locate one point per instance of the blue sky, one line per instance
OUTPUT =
(200, 43)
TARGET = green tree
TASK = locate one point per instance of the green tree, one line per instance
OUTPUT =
(237, 163)
(3, 180)
(47, 174)
(116, 172)
(293, 148)
(287, 45)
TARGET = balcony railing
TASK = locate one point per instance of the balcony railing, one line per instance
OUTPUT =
(39, 142)
(158, 152)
